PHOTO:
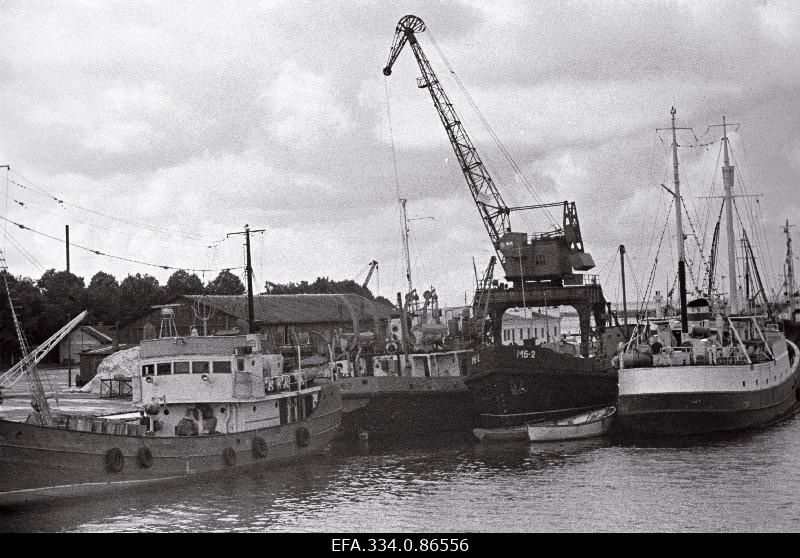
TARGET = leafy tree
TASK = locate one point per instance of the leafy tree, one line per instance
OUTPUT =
(182, 283)
(137, 293)
(29, 305)
(64, 298)
(102, 296)
(226, 283)
(322, 285)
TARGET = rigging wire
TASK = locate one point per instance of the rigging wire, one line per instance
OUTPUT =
(34, 188)
(491, 131)
(28, 207)
(99, 253)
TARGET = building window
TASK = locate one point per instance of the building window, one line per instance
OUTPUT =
(200, 367)
(222, 367)
(163, 368)
(180, 367)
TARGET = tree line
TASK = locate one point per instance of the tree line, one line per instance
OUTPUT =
(45, 305)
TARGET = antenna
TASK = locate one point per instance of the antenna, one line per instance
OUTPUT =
(203, 312)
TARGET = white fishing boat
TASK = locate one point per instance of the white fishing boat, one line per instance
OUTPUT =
(586, 425)
(728, 366)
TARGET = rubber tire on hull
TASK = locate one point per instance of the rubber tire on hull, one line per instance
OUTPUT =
(115, 461)
(144, 457)
(303, 437)
(259, 447)
(229, 456)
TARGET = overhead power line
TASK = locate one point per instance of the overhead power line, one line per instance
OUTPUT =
(99, 253)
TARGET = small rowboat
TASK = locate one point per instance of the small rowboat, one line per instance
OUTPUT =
(501, 434)
(585, 425)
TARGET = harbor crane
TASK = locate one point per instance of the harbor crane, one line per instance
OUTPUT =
(551, 256)
(373, 265)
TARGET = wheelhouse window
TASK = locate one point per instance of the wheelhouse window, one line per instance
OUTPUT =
(240, 364)
(181, 367)
(222, 367)
(163, 368)
(148, 369)
(200, 367)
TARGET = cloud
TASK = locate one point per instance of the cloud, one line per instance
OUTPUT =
(303, 107)
(200, 117)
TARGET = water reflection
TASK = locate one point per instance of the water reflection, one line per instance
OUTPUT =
(747, 481)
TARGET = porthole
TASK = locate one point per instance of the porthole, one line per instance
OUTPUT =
(166, 412)
(222, 410)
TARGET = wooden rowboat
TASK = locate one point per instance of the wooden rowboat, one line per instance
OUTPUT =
(584, 425)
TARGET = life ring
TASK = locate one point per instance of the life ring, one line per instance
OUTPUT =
(115, 461)
(303, 436)
(259, 447)
(391, 347)
(229, 456)
(144, 457)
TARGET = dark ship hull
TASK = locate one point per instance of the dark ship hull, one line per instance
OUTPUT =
(512, 385)
(393, 408)
(38, 462)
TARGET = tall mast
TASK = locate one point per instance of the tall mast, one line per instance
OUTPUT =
(624, 295)
(406, 250)
(727, 179)
(679, 225)
(789, 270)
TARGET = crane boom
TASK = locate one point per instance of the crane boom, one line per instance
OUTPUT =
(372, 266)
(494, 212)
(549, 256)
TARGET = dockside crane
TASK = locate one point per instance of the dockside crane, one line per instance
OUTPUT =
(373, 265)
(551, 256)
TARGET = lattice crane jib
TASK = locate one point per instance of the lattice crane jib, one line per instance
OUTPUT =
(548, 257)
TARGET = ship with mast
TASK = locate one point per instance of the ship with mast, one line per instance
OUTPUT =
(725, 367)
(410, 383)
(513, 385)
(207, 405)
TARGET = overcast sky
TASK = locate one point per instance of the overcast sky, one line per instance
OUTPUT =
(162, 126)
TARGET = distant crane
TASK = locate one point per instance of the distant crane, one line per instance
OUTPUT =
(549, 256)
(373, 265)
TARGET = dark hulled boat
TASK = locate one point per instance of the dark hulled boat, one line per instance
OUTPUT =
(514, 385)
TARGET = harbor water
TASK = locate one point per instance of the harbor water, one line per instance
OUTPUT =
(744, 482)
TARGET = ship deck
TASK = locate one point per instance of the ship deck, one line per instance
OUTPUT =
(16, 404)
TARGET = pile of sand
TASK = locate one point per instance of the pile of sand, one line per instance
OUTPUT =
(122, 363)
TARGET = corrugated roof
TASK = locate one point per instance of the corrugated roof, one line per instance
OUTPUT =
(298, 308)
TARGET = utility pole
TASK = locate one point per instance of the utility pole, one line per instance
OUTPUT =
(69, 337)
(67, 243)
(249, 273)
